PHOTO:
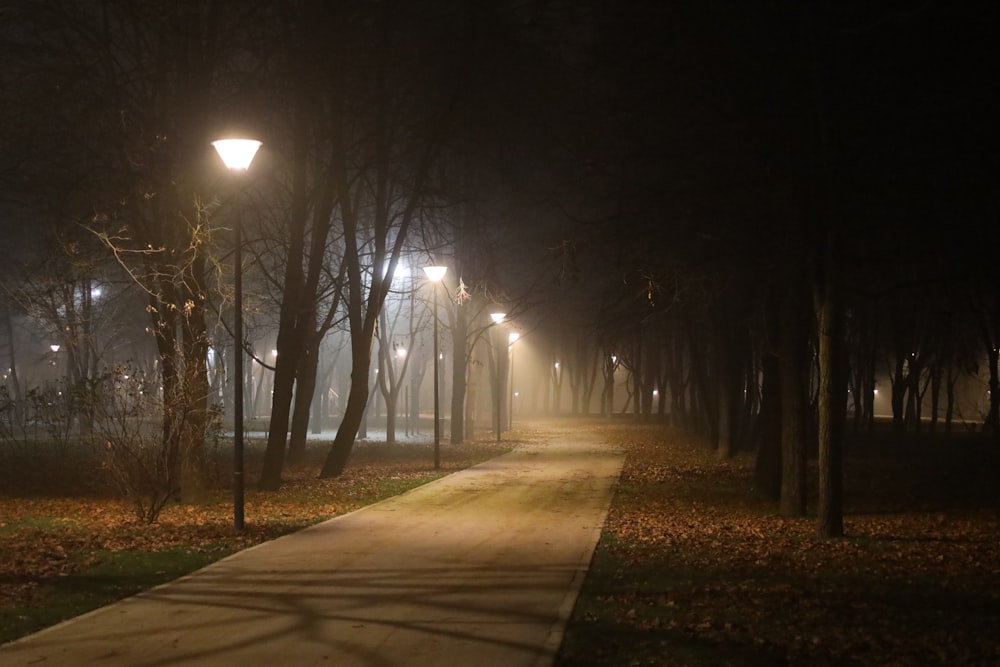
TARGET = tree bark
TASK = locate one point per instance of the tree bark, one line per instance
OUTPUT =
(357, 401)
(767, 465)
(829, 516)
(305, 391)
(793, 360)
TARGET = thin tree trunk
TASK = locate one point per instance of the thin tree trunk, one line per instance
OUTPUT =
(305, 390)
(354, 412)
(829, 517)
(767, 465)
(992, 424)
(792, 360)
(195, 391)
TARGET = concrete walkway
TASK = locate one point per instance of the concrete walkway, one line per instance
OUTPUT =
(482, 567)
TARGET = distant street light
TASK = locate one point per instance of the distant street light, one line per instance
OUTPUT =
(237, 154)
(435, 274)
(511, 339)
(497, 320)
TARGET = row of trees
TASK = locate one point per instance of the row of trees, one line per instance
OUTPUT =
(831, 222)
(733, 207)
(369, 117)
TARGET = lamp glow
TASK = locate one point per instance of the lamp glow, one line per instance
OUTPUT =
(237, 154)
(435, 273)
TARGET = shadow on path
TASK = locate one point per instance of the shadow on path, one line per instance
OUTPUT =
(480, 567)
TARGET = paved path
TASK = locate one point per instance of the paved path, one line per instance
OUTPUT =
(479, 568)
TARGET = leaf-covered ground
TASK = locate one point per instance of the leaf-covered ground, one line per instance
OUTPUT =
(692, 570)
(57, 520)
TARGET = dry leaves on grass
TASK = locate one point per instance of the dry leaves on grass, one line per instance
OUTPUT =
(918, 587)
(44, 538)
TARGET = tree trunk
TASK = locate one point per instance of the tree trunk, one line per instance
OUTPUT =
(281, 403)
(830, 517)
(195, 391)
(608, 367)
(727, 386)
(793, 359)
(637, 362)
(949, 411)
(291, 337)
(767, 465)
(390, 417)
(318, 411)
(992, 424)
(899, 385)
(305, 390)
(354, 412)
(12, 364)
(165, 328)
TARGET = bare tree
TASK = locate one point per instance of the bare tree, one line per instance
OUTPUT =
(142, 78)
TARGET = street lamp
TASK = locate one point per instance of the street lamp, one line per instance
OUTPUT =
(435, 275)
(237, 154)
(511, 339)
(497, 320)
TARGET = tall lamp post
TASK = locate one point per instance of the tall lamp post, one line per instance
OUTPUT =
(237, 154)
(497, 320)
(435, 274)
(511, 339)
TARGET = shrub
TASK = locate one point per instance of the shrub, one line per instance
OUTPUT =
(127, 432)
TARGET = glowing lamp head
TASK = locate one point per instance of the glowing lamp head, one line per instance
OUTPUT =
(497, 317)
(237, 154)
(512, 337)
(435, 273)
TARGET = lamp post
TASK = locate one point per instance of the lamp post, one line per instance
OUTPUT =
(497, 320)
(435, 274)
(237, 154)
(511, 339)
